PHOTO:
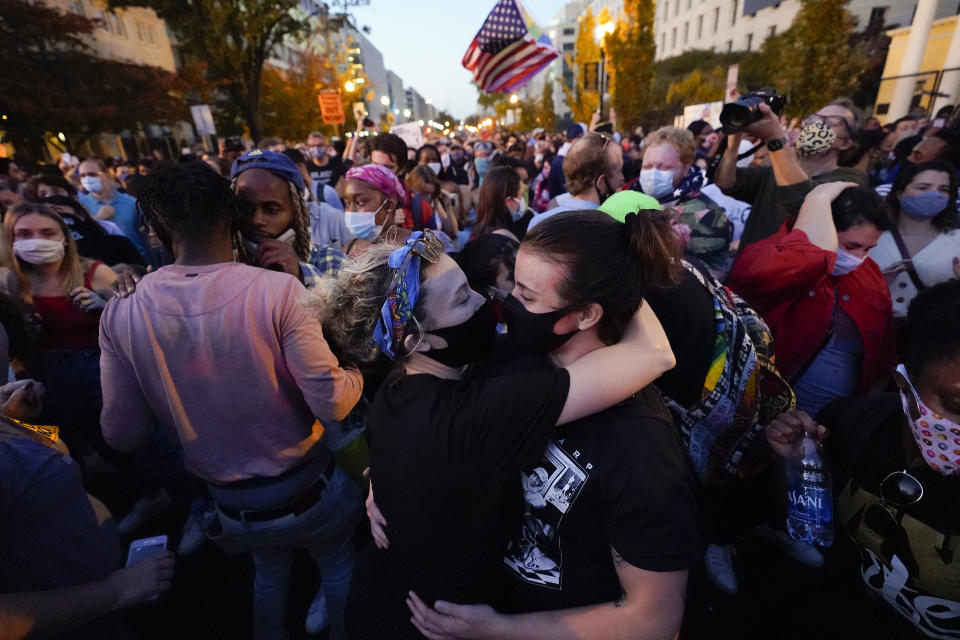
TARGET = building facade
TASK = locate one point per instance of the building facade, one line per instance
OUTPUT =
(135, 34)
(743, 25)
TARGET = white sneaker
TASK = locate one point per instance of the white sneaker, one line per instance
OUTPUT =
(802, 552)
(142, 511)
(193, 535)
(718, 562)
(317, 617)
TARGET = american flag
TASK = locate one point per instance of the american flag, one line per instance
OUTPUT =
(508, 50)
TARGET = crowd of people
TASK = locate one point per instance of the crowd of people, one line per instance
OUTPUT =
(504, 385)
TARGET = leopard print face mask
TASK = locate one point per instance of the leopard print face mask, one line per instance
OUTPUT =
(816, 137)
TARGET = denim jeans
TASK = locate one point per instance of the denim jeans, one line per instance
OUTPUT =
(325, 531)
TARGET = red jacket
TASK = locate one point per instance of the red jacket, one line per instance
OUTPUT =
(786, 279)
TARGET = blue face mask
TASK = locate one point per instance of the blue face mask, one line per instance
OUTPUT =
(656, 182)
(923, 206)
(481, 165)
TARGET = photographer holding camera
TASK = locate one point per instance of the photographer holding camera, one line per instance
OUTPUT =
(776, 192)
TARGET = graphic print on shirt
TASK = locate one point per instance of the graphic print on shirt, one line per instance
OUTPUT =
(934, 617)
(549, 491)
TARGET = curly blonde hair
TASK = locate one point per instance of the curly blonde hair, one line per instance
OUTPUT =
(348, 306)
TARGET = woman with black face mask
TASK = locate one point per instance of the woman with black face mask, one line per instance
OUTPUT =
(448, 442)
(608, 530)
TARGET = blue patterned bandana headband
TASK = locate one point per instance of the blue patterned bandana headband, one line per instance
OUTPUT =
(404, 290)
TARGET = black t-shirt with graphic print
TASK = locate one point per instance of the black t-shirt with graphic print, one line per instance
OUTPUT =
(914, 572)
(329, 173)
(616, 479)
(444, 459)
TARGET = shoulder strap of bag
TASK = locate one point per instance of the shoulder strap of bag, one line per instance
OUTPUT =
(911, 270)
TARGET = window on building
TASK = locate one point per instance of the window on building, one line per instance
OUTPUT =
(150, 36)
(716, 19)
(686, 32)
(663, 41)
(139, 27)
(568, 46)
(676, 7)
(673, 39)
(76, 6)
(733, 14)
(118, 24)
(688, 4)
(878, 15)
(772, 31)
(749, 41)
(569, 31)
(729, 46)
(699, 26)
(101, 21)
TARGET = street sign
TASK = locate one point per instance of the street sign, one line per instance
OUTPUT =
(331, 107)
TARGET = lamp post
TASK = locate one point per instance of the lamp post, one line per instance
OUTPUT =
(600, 33)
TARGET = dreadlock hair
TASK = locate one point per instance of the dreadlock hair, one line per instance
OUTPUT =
(302, 244)
(186, 198)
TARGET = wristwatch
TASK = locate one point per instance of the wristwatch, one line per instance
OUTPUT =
(776, 144)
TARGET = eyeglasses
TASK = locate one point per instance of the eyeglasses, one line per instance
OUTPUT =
(830, 121)
(898, 490)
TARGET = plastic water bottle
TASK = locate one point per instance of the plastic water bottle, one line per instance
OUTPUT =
(809, 495)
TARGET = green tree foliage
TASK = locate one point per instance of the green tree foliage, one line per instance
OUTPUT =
(698, 87)
(813, 61)
(546, 112)
(51, 82)
(582, 101)
(630, 51)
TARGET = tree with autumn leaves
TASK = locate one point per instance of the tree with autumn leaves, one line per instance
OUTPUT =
(51, 82)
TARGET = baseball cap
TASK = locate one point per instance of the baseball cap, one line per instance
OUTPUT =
(276, 163)
(576, 130)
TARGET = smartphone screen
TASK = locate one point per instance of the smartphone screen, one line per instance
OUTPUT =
(146, 548)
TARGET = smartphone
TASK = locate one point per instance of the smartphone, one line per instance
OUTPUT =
(939, 123)
(287, 236)
(146, 548)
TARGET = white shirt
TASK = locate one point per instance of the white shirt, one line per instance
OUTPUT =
(933, 263)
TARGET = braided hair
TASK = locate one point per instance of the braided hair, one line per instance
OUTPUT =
(302, 244)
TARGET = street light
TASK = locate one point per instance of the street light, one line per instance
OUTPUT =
(348, 86)
(385, 101)
(514, 99)
(600, 33)
(406, 113)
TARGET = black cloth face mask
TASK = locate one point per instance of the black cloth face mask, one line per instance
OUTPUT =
(534, 331)
(468, 341)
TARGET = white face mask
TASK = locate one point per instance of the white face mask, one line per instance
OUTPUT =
(38, 250)
(435, 167)
(93, 184)
(846, 262)
(656, 182)
(520, 210)
(287, 236)
(363, 224)
(445, 160)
